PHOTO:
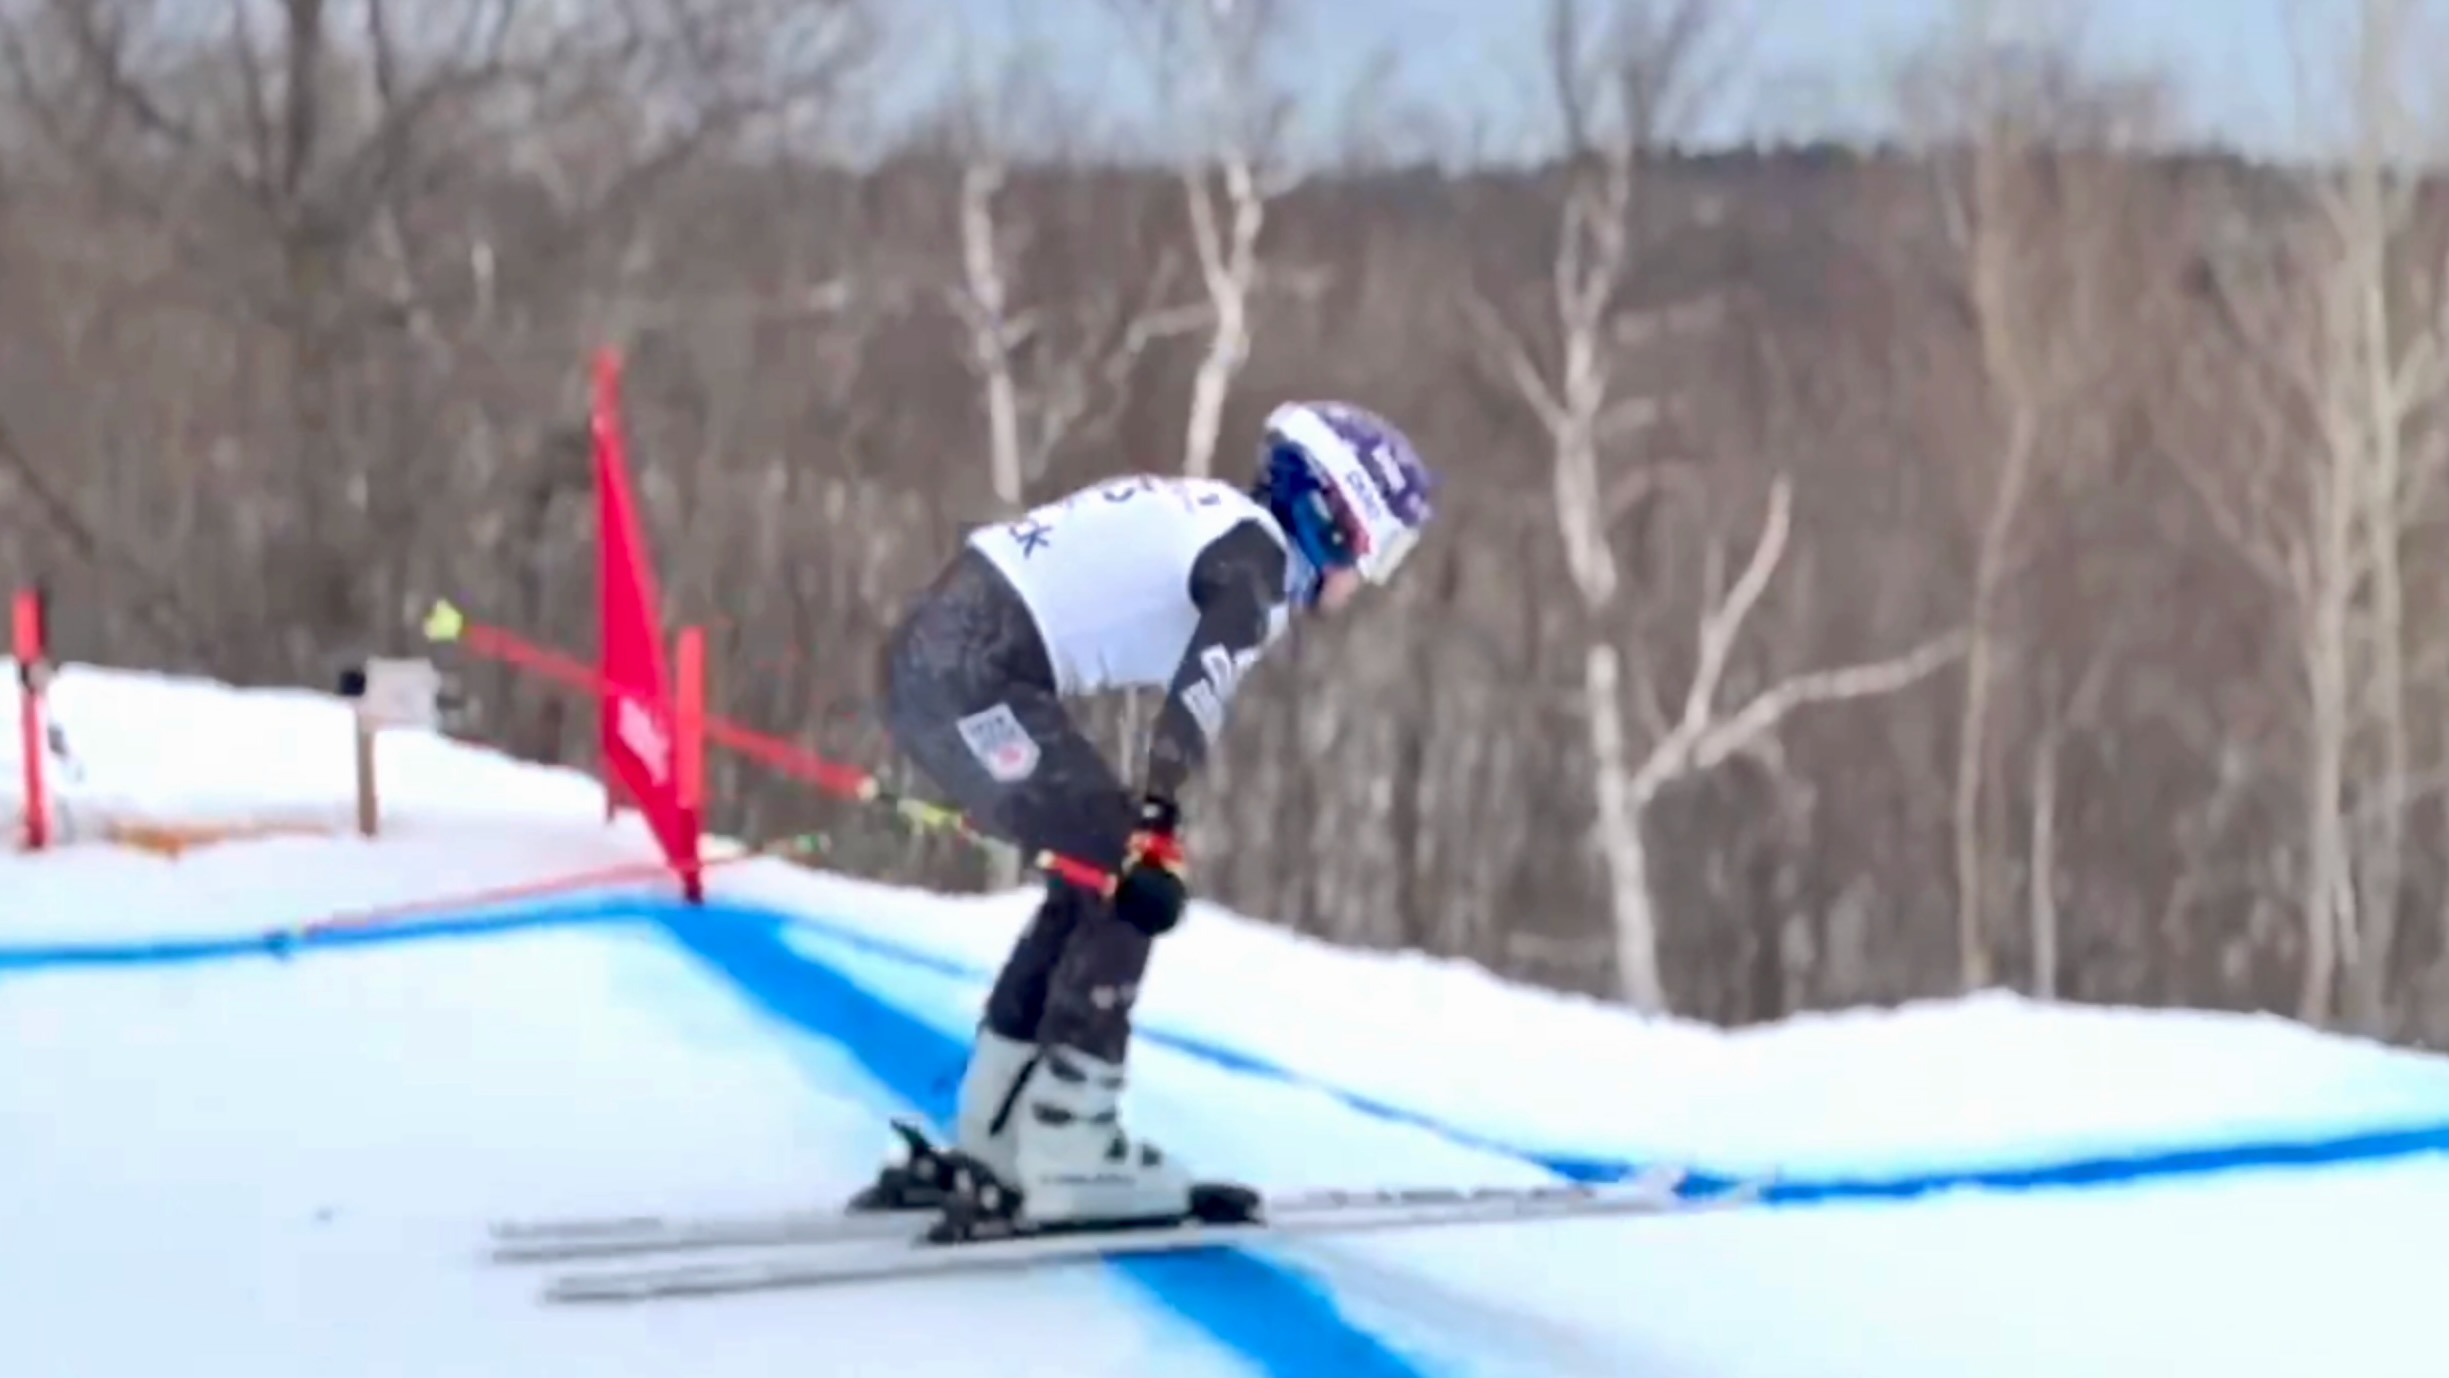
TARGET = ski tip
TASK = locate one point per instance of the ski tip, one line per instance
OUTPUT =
(1728, 1192)
(510, 1230)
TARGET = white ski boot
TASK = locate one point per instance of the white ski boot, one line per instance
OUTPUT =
(1074, 1169)
(987, 1123)
(921, 1175)
(1075, 1165)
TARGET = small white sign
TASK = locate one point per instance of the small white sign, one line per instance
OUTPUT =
(401, 693)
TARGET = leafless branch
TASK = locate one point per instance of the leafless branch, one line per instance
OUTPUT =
(1702, 737)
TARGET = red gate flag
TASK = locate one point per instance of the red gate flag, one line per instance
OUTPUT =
(638, 723)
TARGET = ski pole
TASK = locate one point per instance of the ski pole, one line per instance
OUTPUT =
(371, 916)
(448, 625)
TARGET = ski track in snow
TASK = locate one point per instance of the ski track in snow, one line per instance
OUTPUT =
(215, 1159)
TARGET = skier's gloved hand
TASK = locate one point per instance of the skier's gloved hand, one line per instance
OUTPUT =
(1156, 840)
(1151, 891)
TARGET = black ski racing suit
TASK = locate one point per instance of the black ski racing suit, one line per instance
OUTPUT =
(969, 643)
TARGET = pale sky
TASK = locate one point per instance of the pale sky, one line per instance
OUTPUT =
(1815, 65)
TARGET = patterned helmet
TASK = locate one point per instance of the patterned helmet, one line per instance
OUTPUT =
(1346, 485)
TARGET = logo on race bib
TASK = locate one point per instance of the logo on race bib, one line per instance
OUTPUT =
(1034, 531)
(1000, 743)
(1221, 673)
(1031, 534)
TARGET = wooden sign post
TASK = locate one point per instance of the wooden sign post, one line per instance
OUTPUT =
(389, 693)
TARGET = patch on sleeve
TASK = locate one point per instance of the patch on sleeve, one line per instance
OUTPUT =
(996, 737)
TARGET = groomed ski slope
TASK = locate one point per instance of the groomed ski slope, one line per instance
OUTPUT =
(220, 1155)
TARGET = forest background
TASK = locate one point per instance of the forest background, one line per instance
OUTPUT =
(2006, 548)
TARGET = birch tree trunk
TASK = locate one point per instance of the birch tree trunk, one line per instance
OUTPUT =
(1631, 905)
(1212, 56)
(2044, 864)
(2035, 228)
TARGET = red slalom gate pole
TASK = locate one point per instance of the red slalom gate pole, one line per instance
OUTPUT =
(375, 914)
(448, 624)
(689, 770)
(514, 891)
(32, 655)
(690, 709)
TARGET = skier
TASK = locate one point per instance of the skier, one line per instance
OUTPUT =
(1163, 582)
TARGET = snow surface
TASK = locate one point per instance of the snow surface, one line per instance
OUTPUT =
(218, 1159)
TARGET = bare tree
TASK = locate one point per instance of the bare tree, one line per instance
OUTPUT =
(1578, 405)
(1211, 59)
(2032, 201)
(984, 301)
(1650, 58)
(2348, 348)
(1712, 425)
(2063, 714)
(1045, 366)
(285, 155)
(1703, 736)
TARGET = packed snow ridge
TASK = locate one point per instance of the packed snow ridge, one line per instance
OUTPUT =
(216, 1159)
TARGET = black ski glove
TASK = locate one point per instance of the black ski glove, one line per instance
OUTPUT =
(1150, 892)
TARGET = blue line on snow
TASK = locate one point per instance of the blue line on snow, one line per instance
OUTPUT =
(2360, 1146)
(1282, 1322)
(2140, 1165)
(2137, 1165)
(593, 909)
(2117, 1169)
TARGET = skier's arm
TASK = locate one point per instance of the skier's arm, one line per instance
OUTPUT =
(1236, 584)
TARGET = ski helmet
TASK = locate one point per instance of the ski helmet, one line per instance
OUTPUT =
(1346, 486)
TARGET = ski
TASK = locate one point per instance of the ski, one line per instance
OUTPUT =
(575, 1239)
(1295, 1216)
(922, 1165)
(614, 1237)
